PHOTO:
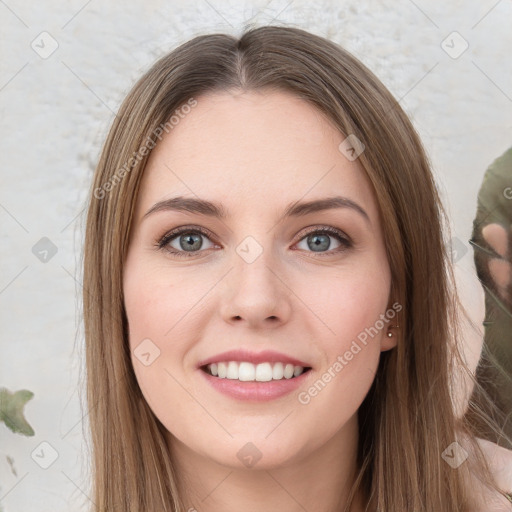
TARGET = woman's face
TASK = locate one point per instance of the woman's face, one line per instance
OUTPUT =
(260, 278)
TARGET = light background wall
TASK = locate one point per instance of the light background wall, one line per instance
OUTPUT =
(55, 114)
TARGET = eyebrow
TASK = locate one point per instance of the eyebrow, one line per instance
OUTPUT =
(217, 210)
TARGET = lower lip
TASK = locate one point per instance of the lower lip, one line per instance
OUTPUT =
(255, 391)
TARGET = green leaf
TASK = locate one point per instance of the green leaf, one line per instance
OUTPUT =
(11, 410)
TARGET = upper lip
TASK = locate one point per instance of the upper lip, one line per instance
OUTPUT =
(265, 356)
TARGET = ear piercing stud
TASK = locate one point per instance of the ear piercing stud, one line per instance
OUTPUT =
(390, 334)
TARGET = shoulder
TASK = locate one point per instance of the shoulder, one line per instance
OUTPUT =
(500, 464)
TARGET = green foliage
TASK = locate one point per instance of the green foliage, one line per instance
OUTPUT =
(11, 410)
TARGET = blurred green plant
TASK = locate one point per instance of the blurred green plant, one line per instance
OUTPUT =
(11, 410)
(12, 414)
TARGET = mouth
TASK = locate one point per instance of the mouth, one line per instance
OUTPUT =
(244, 371)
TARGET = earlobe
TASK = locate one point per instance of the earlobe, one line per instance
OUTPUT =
(390, 339)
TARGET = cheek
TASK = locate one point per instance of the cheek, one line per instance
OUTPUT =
(158, 310)
(151, 311)
(148, 304)
(353, 306)
(158, 303)
(349, 301)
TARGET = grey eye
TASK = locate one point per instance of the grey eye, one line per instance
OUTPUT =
(189, 241)
(318, 242)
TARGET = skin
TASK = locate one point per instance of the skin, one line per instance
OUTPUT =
(500, 269)
(500, 463)
(256, 153)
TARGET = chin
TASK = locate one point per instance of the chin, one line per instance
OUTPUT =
(256, 452)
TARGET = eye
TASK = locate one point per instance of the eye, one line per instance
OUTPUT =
(318, 240)
(183, 242)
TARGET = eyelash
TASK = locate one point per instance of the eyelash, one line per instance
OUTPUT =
(161, 243)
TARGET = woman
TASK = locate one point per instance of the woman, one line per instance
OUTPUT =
(269, 315)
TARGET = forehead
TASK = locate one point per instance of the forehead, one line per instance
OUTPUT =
(253, 150)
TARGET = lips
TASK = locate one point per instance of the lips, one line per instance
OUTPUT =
(241, 355)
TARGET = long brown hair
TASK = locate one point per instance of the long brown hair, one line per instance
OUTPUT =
(407, 419)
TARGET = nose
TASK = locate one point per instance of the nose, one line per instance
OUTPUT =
(256, 293)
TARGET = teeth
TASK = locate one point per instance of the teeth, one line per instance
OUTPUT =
(262, 372)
